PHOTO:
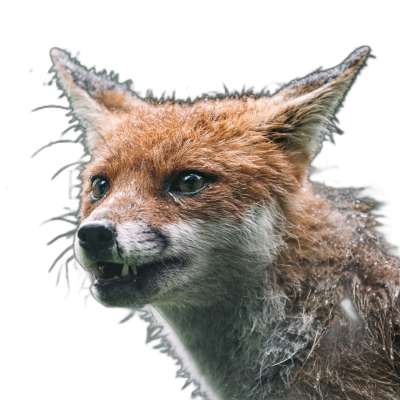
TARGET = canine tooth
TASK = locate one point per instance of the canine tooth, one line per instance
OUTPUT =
(95, 270)
(134, 270)
(125, 270)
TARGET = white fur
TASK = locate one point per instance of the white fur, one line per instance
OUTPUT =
(89, 112)
(227, 273)
(222, 253)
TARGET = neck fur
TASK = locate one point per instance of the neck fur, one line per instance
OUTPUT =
(241, 343)
(243, 339)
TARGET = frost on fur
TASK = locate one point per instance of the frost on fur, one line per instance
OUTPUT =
(266, 286)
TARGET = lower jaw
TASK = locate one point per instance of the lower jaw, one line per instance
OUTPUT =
(121, 296)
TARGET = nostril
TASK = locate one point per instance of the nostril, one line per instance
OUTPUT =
(105, 235)
(82, 236)
(96, 236)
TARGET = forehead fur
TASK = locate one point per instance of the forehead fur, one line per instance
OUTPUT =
(146, 148)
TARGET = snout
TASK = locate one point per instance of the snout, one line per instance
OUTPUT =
(128, 259)
(97, 237)
(133, 242)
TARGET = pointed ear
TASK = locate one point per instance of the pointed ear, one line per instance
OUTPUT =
(93, 97)
(302, 113)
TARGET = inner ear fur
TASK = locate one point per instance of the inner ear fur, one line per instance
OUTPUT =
(93, 97)
(301, 114)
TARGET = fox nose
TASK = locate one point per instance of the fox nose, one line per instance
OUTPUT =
(96, 236)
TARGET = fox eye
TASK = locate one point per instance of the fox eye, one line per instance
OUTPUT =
(189, 182)
(100, 186)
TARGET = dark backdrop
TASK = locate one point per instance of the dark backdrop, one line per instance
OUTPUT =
(56, 333)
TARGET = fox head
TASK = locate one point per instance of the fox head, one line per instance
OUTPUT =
(191, 201)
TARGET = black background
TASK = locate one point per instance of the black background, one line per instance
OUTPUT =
(58, 334)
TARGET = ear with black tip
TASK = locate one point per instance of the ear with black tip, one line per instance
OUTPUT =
(93, 97)
(302, 113)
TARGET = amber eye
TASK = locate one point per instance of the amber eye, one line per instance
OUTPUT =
(189, 182)
(100, 186)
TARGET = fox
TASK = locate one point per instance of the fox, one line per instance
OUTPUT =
(264, 284)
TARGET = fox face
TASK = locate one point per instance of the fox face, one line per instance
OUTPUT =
(162, 207)
(179, 195)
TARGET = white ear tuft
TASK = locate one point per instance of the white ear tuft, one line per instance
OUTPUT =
(303, 111)
(93, 97)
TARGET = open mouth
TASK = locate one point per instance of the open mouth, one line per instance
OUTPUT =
(107, 273)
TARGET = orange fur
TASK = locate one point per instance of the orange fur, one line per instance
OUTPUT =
(256, 151)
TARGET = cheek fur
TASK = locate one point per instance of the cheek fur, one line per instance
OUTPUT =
(259, 232)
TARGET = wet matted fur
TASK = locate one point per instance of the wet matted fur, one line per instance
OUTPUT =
(273, 287)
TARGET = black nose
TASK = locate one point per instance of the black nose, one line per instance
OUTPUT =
(96, 236)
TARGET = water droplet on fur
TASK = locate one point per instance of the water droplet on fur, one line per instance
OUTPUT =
(383, 348)
(317, 378)
(342, 389)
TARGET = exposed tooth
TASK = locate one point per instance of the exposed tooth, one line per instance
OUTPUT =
(95, 270)
(125, 270)
(116, 277)
(133, 268)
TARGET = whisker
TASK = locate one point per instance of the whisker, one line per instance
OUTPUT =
(59, 275)
(66, 234)
(73, 213)
(67, 166)
(83, 282)
(67, 277)
(60, 219)
(127, 318)
(82, 118)
(51, 144)
(50, 106)
(69, 128)
(60, 256)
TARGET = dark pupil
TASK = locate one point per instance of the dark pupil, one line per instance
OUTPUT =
(191, 183)
(100, 187)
